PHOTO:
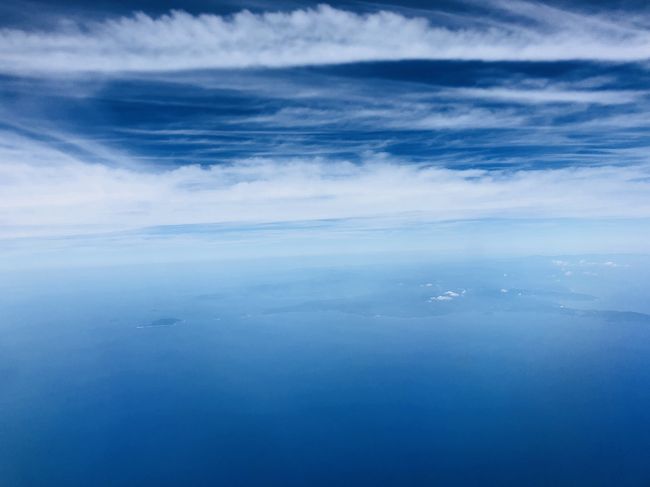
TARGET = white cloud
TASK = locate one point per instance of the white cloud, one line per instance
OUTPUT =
(41, 187)
(323, 35)
(564, 265)
(446, 296)
(396, 115)
(549, 95)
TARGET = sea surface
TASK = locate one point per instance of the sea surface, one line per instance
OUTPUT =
(328, 372)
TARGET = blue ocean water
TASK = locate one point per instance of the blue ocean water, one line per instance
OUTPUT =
(318, 372)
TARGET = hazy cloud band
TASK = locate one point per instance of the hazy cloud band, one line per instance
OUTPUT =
(69, 192)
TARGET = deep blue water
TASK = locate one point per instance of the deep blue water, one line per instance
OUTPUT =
(324, 373)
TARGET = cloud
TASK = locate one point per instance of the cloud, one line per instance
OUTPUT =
(446, 296)
(564, 265)
(442, 297)
(541, 96)
(322, 35)
(396, 115)
(40, 187)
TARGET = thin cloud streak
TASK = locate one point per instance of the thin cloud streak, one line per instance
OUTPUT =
(541, 96)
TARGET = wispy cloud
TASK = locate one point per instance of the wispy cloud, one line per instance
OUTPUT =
(54, 190)
(541, 96)
(322, 35)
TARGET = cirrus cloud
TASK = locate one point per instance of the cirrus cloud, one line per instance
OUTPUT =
(322, 35)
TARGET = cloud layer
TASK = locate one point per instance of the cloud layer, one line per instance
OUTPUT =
(322, 35)
(53, 191)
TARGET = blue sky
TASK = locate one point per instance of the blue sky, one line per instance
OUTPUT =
(132, 116)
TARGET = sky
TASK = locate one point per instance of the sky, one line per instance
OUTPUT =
(516, 126)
